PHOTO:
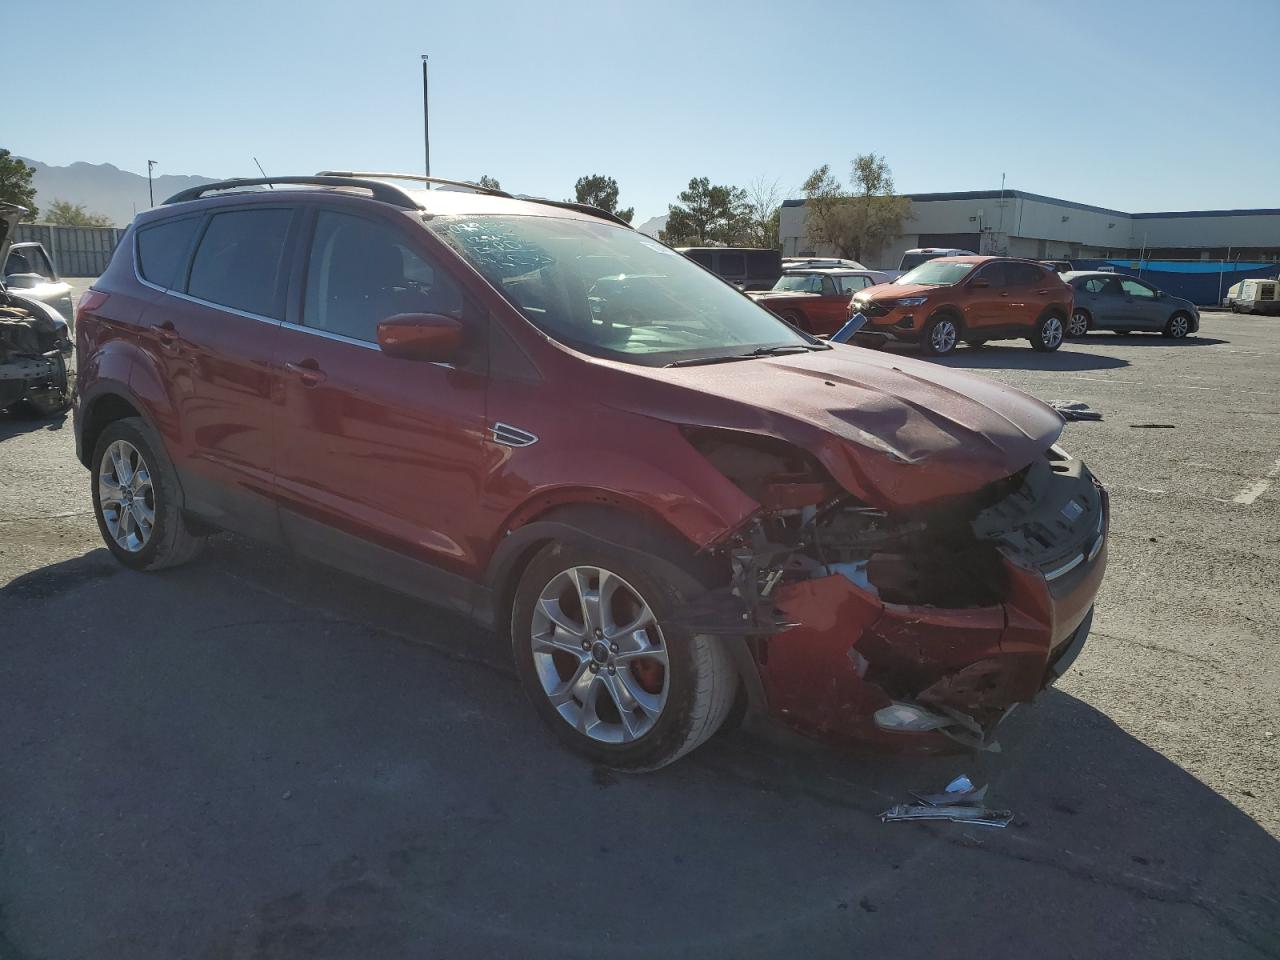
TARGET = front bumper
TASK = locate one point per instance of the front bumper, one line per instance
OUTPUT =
(852, 655)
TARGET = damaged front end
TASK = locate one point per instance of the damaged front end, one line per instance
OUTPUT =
(908, 626)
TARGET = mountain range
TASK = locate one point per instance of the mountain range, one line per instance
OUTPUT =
(104, 188)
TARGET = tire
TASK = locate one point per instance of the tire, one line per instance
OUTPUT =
(940, 335)
(688, 683)
(1235, 308)
(1048, 334)
(126, 448)
(1178, 327)
(49, 403)
(1078, 325)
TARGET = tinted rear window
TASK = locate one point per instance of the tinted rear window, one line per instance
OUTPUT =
(763, 264)
(732, 265)
(163, 249)
(238, 263)
(699, 256)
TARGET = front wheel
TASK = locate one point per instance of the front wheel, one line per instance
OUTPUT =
(1047, 336)
(940, 336)
(1179, 326)
(796, 320)
(1079, 325)
(605, 667)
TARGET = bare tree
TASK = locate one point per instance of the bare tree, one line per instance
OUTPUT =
(764, 205)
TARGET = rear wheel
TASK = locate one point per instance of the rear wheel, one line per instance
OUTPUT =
(940, 336)
(1079, 325)
(604, 666)
(1179, 326)
(1048, 334)
(137, 500)
(796, 319)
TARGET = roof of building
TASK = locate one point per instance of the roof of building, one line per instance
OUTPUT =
(1040, 198)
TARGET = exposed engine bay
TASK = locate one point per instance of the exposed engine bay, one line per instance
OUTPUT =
(33, 351)
(944, 615)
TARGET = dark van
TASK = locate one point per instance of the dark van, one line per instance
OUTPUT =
(747, 267)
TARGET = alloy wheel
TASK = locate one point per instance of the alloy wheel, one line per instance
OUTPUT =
(599, 655)
(1178, 326)
(126, 496)
(944, 336)
(1079, 324)
(1051, 332)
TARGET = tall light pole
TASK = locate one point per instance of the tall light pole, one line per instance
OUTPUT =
(150, 189)
(426, 127)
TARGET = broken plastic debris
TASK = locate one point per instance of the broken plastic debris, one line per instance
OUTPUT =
(855, 573)
(1074, 410)
(979, 816)
(908, 717)
(959, 791)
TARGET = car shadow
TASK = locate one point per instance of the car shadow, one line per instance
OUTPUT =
(17, 423)
(1100, 337)
(993, 357)
(350, 772)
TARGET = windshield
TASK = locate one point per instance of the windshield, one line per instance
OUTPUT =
(612, 292)
(936, 274)
(800, 283)
(912, 260)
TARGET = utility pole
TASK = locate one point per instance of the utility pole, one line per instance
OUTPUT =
(426, 127)
(150, 189)
(1000, 228)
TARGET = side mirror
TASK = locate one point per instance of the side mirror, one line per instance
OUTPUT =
(980, 284)
(420, 336)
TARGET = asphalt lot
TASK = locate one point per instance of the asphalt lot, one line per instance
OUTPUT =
(256, 757)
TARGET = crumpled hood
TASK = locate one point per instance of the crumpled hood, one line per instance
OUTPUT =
(894, 431)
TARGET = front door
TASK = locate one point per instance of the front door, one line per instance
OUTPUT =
(373, 451)
(1141, 305)
(1102, 298)
(986, 308)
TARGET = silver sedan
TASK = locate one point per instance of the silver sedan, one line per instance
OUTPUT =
(1114, 301)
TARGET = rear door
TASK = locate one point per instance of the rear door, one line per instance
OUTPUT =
(1142, 308)
(374, 451)
(214, 334)
(1102, 297)
(1029, 293)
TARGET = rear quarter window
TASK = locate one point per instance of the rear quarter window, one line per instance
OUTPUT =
(733, 265)
(163, 249)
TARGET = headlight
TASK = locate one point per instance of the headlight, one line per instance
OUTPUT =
(911, 301)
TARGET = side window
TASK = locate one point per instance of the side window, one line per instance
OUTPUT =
(239, 260)
(359, 273)
(994, 274)
(828, 287)
(162, 250)
(1098, 285)
(700, 257)
(851, 285)
(763, 264)
(1022, 274)
(1141, 291)
(733, 265)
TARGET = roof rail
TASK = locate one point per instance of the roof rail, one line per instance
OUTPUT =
(417, 178)
(380, 190)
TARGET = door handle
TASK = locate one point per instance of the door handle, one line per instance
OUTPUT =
(308, 371)
(166, 332)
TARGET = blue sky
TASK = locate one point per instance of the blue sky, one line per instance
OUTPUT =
(1138, 106)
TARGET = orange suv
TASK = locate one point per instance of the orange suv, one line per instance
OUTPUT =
(974, 299)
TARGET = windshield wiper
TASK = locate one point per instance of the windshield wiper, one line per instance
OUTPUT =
(778, 351)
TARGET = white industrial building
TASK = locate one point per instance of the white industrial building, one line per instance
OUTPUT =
(1020, 224)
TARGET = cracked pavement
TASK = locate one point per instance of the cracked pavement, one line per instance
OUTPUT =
(255, 757)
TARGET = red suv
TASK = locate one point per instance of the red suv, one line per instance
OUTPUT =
(974, 299)
(676, 505)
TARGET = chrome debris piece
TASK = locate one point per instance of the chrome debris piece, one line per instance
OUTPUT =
(959, 813)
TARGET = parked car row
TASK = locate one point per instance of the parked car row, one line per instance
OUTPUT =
(676, 507)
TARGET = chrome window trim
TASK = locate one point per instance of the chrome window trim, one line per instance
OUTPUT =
(327, 335)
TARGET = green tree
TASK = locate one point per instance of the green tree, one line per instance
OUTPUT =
(67, 214)
(709, 215)
(15, 184)
(488, 182)
(857, 222)
(601, 191)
